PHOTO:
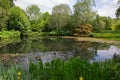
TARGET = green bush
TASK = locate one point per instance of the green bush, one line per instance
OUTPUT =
(37, 27)
(18, 20)
(116, 26)
(4, 16)
(9, 34)
(83, 30)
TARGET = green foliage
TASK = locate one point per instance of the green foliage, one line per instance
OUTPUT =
(117, 12)
(33, 12)
(73, 69)
(105, 35)
(9, 34)
(4, 16)
(91, 2)
(108, 23)
(7, 74)
(18, 20)
(101, 24)
(58, 69)
(60, 16)
(45, 18)
(117, 26)
(97, 27)
(83, 12)
(37, 27)
(5, 4)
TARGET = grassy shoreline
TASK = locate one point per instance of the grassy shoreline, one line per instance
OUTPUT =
(110, 36)
(72, 69)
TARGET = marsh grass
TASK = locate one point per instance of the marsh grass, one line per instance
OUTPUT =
(72, 69)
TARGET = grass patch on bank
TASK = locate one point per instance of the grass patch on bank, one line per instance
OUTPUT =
(58, 69)
(9, 34)
(106, 35)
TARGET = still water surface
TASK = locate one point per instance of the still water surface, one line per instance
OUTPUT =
(47, 49)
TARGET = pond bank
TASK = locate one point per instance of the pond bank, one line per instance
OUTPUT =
(92, 39)
(6, 57)
(54, 46)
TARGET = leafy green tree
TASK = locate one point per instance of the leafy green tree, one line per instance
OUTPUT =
(117, 12)
(5, 4)
(4, 16)
(45, 18)
(117, 25)
(108, 23)
(96, 24)
(92, 2)
(38, 27)
(60, 16)
(18, 20)
(83, 12)
(33, 12)
(102, 23)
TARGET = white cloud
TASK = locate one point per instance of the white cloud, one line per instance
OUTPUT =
(45, 5)
(103, 7)
(107, 8)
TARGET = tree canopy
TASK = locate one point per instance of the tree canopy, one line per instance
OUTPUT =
(60, 16)
(18, 20)
(6, 3)
(33, 12)
(117, 13)
(83, 12)
(4, 16)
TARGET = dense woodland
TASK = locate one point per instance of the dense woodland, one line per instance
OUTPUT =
(82, 21)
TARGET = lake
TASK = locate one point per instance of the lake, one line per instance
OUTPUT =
(47, 49)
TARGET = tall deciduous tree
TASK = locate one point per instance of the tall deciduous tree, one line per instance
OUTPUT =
(117, 13)
(45, 18)
(3, 18)
(60, 16)
(5, 4)
(4, 13)
(33, 12)
(91, 2)
(18, 20)
(83, 12)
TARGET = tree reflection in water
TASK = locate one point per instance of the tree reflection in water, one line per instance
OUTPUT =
(66, 48)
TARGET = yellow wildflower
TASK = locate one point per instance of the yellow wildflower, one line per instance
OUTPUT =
(81, 78)
(19, 73)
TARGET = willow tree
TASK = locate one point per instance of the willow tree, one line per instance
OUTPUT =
(60, 16)
(83, 12)
(33, 12)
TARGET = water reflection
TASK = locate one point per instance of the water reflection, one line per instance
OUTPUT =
(52, 48)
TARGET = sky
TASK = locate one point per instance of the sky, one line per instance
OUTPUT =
(103, 7)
